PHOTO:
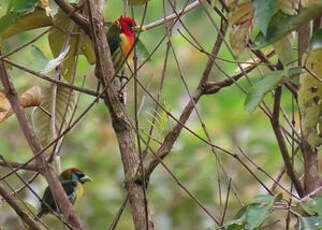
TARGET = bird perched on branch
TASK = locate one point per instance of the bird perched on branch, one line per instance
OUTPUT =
(120, 37)
(72, 180)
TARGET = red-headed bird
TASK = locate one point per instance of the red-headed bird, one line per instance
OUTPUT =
(120, 37)
(72, 181)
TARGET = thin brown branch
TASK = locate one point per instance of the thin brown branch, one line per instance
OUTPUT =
(46, 78)
(215, 87)
(78, 18)
(281, 143)
(119, 213)
(31, 167)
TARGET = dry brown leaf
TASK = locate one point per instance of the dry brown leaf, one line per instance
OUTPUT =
(29, 98)
(241, 23)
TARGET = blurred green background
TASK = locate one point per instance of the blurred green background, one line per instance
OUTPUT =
(92, 145)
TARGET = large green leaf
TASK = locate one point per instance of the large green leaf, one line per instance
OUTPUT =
(260, 88)
(16, 9)
(11, 25)
(41, 120)
(263, 12)
(311, 223)
(281, 24)
(256, 215)
(253, 215)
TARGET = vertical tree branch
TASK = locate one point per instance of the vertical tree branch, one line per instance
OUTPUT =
(120, 120)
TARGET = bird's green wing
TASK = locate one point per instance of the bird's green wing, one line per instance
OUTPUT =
(113, 36)
(70, 188)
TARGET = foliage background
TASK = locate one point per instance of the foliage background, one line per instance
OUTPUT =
(92, 146)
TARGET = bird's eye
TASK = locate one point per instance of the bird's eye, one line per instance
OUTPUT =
(80, 175)
(130, 24)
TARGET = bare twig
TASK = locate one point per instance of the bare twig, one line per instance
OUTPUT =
(172, 16)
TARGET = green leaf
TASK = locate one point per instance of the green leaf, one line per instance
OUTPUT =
(264, 199)
(316, 40)
(56, 61)
(260, 88)
(284, 49)
(263, 12)
(12, 24)
(311, 223)
(16, 9)
(19, 6)
(282, 24)
(141, 51)
(313, 206)
(41, 120)
(256, 215)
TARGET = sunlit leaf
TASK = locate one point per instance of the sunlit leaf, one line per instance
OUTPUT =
(29, 98)
(260, 88)
(41, 119)
(52, 64)
(263, 12)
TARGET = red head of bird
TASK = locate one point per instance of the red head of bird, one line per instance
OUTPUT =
(126, 24)
(127, 37)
